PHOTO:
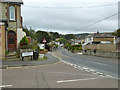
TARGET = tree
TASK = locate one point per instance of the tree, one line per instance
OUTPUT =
(118, 33)
(30, 32)
(63, 40)
(54, 35)
(69, 36)
(40, 35)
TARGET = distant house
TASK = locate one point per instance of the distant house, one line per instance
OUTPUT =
(10, 16)
(82, 38)
(100, 38)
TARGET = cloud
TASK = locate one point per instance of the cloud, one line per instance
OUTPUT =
(68, 20)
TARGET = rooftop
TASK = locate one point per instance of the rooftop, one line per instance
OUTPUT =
(12, 1)
(104, 35)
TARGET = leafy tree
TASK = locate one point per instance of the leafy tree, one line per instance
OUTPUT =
(26, 30)
(69, 36)
(54, 35)
(40, 35)
(30, 32)
(118, 33)
(63, 40)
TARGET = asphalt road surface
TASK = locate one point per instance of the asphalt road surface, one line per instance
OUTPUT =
(72, 74)
(104, 65)
(58, 75)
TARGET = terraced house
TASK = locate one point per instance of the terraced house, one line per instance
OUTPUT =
(11, 24)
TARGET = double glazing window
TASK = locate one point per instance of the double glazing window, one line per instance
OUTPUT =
(12, 13)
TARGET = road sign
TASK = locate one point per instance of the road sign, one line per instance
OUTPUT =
(44, 41)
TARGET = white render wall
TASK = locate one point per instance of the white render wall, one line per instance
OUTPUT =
(20, 35)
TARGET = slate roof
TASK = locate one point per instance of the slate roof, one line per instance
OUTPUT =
(103, 35)
(13, 1)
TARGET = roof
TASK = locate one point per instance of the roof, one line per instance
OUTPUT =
(103, 35)
(12, 1)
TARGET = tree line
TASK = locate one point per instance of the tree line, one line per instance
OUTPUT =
(39, 35)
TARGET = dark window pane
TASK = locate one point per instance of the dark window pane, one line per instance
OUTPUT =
(11, 40)
(11, 33)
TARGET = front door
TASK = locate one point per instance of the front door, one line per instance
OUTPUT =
(11, 41)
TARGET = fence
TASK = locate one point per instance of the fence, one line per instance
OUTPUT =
(102, 47)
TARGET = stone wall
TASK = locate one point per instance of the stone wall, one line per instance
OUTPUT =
(13, 25)
(2, 42)
(102, 53)
(103, 47)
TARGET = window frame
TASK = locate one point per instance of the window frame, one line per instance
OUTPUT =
(12, 11)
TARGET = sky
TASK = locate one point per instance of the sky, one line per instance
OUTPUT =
(70, 16)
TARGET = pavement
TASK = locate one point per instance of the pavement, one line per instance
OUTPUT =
(51, 59)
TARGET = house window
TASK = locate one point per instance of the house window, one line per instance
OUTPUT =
(12, 13)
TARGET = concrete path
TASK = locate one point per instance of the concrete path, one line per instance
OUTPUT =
(51, 59)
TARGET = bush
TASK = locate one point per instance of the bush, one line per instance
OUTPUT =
(26, 46)
(24, 41)
(75, 47)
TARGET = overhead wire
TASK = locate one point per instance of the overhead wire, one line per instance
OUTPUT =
(70, 7)
(97, 22)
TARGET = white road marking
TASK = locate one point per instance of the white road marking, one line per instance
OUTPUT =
(77, 80)
(69, 73)
(80, 53)
(93, 71)
(97, 63)
(5, 86)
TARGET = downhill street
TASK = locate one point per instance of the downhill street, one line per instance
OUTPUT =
(60, 74)
(104, 65)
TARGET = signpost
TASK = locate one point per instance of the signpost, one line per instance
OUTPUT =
(26, 54)
(44, 41)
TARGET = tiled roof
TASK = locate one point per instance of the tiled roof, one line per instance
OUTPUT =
(13, 1)
(103, 35)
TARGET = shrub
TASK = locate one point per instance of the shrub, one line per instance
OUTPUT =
(24, 41)
(75, 47)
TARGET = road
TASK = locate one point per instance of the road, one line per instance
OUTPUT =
(105, 65)
(60, 74)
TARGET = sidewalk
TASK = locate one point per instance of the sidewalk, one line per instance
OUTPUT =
(51, 59)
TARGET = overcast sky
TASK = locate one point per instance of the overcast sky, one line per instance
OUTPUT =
(69, 16)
